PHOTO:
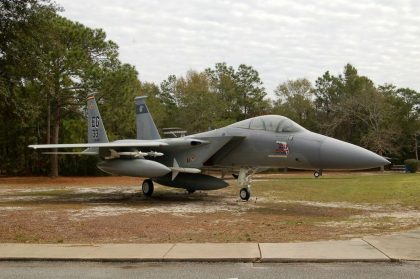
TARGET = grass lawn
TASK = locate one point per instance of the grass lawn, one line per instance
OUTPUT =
(383, 189)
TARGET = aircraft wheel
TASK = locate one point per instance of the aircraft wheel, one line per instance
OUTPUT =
(317, 173)
(244, 194)
(147, 187)
(190, 191)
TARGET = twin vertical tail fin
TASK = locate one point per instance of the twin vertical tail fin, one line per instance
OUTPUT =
(96, 129)
(146, 128)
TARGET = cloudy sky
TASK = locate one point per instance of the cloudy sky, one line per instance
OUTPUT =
(283, 39)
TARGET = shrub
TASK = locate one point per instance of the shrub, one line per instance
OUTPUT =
(411, 165)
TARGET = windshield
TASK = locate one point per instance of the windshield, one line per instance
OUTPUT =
(289, 126)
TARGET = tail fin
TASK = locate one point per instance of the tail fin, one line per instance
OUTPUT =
(96, 129)
(146, 128)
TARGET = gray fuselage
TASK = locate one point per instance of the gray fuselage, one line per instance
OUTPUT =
(294, 147)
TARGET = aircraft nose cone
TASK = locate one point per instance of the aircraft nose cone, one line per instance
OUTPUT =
(337, 154)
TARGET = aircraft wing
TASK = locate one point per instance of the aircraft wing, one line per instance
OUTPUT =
(131, 143)
(181, 142)
(72, 153)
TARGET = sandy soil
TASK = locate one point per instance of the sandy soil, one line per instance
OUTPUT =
(111, 209)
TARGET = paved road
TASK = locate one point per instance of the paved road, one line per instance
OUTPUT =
(207, 270)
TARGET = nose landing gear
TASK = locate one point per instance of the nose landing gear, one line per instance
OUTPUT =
(244, 194)
(317, 173)
(244, 181)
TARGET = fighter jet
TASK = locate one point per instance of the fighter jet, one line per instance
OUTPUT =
(269, 141)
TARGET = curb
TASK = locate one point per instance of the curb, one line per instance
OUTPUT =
(195, 260)
(392, 248)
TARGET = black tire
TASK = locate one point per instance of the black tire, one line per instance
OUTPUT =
(244, 194)
(317, 174)
(147, 187)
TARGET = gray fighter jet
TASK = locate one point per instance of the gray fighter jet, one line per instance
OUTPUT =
(269, 141)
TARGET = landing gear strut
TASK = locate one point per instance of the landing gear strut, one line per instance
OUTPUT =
(244, 181)
(147, 187)
(318, 173)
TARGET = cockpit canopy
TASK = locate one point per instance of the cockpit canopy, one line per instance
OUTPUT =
(272, 123)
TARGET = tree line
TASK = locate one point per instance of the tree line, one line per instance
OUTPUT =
(48, 65)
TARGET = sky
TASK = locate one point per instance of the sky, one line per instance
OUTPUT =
(282, 40)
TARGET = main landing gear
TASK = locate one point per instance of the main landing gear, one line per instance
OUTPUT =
(318, 173)
(147, 187)
(245, 194)
(244, 181)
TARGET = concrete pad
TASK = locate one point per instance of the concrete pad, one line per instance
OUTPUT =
(402, 246)
(321, 251)
(214, 252)
(144, 252)
(45, 251)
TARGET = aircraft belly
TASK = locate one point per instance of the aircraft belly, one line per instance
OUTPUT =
(192, 181)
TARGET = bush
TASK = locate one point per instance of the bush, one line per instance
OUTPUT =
(411, 165)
